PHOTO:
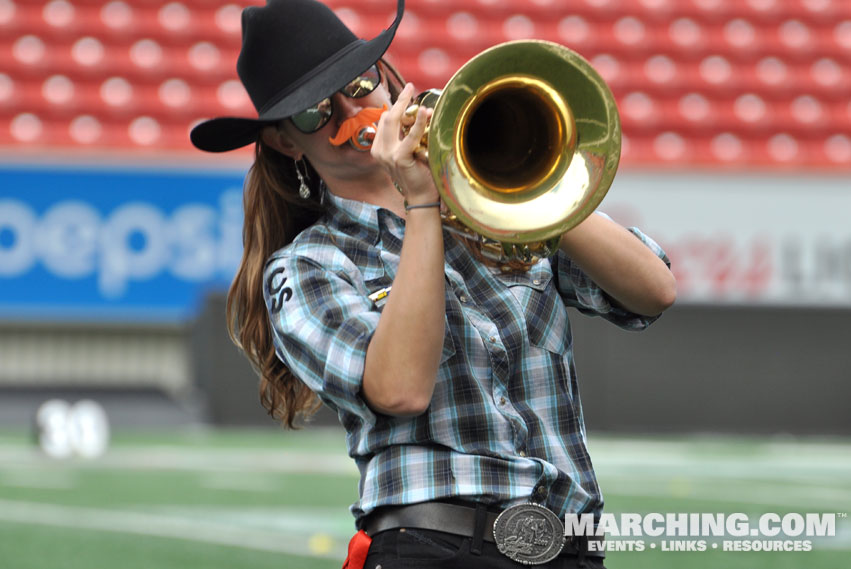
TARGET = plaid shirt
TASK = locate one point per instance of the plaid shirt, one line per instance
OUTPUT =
(505, 422)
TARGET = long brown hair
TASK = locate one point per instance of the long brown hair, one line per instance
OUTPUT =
(273, 215)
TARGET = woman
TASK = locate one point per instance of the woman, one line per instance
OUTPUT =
(457, 387)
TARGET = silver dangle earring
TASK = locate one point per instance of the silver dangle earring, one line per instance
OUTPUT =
(303, 189)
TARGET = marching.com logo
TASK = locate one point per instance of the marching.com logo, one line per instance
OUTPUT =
(702, 531)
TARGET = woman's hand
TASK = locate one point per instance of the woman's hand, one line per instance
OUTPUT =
(394, 150)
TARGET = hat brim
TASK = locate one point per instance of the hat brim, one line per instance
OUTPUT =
(226, 133)
(229, 133)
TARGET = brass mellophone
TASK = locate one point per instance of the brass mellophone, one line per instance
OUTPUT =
(523, 145)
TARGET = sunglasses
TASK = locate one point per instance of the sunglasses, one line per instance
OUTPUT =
(313, 118)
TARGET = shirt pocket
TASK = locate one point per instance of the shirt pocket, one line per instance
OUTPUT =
(543, 310)
(448, 342)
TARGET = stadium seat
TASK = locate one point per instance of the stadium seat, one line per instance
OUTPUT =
(739, 83)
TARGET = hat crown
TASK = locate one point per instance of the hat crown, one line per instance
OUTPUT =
(294, 54)
(283, 43)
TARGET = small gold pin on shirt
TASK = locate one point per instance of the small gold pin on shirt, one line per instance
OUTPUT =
(380, 295)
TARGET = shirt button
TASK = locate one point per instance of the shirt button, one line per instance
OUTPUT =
(502, 400)
(522, 453)
(536, 282)
(541, 492)
(463, 298)
(492, 339)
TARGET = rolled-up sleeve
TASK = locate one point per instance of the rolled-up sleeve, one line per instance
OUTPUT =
(322, 324)
(578, 290)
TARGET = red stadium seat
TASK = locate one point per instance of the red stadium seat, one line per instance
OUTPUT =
(736, 83)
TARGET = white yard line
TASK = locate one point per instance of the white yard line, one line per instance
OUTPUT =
(634, 457)
(284, 541)
(240, 481)
(30, 478)
(181, 458)
(332, 521)
(812, 498)
(775, 458)
(157, 525)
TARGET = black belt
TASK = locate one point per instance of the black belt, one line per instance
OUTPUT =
(456, 520)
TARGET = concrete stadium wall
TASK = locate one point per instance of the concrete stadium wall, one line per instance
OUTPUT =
(222, 373)
(140, 373)
(698, 369)
(725, 370)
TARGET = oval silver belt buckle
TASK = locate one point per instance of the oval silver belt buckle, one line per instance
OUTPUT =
(529, 534)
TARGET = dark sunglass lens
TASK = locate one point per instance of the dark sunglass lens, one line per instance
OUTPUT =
(314, 118)
(364, 84)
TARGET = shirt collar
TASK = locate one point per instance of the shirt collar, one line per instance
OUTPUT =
(356, 216)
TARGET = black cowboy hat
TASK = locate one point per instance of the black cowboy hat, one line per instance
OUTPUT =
(294, 54)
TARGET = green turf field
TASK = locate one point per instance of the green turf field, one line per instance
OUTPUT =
(264, 499)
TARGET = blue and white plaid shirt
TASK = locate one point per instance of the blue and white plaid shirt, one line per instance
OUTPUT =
(505, 422)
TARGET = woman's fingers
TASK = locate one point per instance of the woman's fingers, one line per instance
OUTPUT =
(411, 142)
(402, 102)
(396, 147)
(408, 120)
(394, 115)
(385, 147)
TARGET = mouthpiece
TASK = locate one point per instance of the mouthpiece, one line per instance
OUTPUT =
(363, 137)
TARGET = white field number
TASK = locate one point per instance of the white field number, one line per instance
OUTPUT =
(65, 429)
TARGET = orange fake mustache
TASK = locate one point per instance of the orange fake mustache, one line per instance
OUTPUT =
(350, 126)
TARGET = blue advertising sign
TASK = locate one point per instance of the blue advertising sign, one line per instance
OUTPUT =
(119, 244)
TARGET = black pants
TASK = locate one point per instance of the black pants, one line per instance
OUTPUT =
(427, 549)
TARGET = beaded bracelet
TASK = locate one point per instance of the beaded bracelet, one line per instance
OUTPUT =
(410, 207)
